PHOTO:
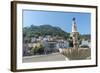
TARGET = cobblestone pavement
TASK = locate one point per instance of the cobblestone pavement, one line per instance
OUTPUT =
(44, 58)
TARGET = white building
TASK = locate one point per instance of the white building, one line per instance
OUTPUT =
(62, 44)
(86, 42)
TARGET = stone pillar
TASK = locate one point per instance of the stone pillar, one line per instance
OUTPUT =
(75, 36)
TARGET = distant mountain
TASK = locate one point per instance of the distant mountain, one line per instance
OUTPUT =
(86, 37)
(43, 30)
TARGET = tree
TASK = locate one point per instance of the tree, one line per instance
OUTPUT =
(38, 49)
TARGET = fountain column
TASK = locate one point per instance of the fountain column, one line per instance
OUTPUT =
(75, 36)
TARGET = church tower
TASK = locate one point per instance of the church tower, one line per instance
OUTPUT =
(75, 34)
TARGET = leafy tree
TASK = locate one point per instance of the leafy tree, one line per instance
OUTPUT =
(38, 49)
(84, 46)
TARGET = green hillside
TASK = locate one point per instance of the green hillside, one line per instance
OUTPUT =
(43, 30)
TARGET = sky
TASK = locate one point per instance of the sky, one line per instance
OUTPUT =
(58, 19)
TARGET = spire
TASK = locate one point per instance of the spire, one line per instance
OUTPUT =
(74, 27)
